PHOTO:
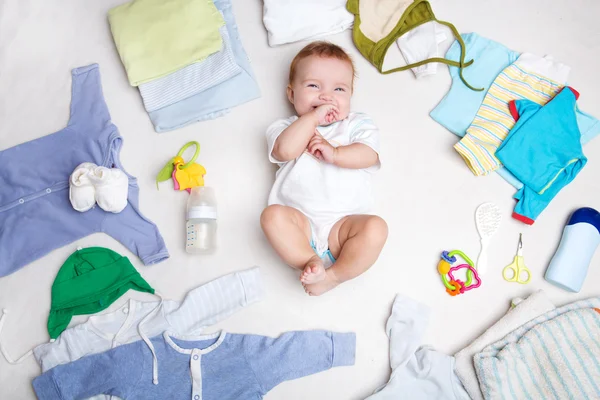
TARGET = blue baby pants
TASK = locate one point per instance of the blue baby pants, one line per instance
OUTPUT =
(543, 150)
(460, 105)
(216, 101)
(36, 215)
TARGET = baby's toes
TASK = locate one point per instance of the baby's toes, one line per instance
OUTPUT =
(305, 289)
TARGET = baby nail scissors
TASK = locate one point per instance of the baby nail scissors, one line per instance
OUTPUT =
(517, 266)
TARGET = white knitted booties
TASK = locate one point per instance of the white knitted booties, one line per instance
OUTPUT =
(81, 190)
(112, 187)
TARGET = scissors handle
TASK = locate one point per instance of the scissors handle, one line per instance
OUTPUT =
(517, 267)
(512, 267)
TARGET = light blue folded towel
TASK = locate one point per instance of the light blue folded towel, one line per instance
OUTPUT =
(193, 79)
(554, 356)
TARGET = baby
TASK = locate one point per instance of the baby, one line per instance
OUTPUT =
(317, 213)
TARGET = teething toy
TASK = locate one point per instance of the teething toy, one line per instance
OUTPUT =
(455, 286)
(185, 175)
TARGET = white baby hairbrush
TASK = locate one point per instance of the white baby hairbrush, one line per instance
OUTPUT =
(487, 219)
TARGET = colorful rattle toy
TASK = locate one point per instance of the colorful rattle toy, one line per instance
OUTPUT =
(456, 286)
(185, 176)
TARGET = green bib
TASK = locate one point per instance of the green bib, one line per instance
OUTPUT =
(417, 13)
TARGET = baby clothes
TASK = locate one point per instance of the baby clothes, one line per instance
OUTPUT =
(326, 257)
(323, 192)
(418, 373)
(460, 105)
(90, 183)
(377, 25)
(82, 192)
(89, 281)
(202, 307)
(543, 151)
(157, 37)
(207, 367)
(193, 79)
(530, 77)
(111, 188)
(216, 101)
(38, 194)
(533, 306)
(378, 18)
(292, 21)
(554, 356)
(420, 44)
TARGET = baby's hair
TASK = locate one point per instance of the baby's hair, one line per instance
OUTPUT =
(321, 49)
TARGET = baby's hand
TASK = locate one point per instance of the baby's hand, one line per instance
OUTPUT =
(326, 114)
(321, 148)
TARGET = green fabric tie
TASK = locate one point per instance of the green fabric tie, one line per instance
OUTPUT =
(418, 13)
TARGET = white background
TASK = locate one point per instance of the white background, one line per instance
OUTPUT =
(424, 190)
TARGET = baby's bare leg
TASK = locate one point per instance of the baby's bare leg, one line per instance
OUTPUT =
(288, 231)
(355, 241)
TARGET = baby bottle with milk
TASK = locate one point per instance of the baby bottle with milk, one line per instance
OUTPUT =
(201, 226)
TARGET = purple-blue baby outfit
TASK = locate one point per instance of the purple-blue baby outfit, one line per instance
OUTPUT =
(36, 215)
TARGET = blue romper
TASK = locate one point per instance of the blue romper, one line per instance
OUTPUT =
(36, 215)
(543, 150)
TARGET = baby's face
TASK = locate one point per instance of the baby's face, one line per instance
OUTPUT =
(321, 80)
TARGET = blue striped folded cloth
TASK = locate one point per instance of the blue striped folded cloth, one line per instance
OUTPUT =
(193, 79)
(554, 356)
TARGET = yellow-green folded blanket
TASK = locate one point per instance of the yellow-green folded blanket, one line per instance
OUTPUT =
(157, 37)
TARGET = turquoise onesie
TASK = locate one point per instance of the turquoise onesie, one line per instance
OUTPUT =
(543, 150)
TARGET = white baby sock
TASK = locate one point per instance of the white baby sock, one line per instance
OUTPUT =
(81, 190)
(112, 187)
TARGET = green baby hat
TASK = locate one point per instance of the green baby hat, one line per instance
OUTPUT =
(88, 282)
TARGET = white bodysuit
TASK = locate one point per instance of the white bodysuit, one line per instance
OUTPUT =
(323, 192)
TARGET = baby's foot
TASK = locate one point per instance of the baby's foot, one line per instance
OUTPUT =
(314, 271)
(322, 286)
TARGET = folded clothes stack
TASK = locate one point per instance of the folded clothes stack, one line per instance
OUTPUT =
(293, 21)
(186, 58)
(523, 125)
